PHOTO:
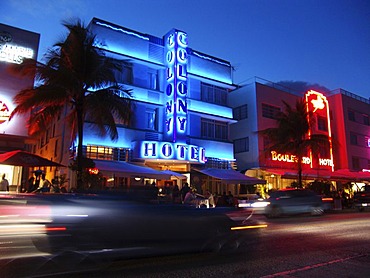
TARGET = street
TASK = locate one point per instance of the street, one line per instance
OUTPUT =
(334, 245)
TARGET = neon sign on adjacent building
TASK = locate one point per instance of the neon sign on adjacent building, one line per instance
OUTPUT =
(4, 112)
(319, 106)
(13, 53)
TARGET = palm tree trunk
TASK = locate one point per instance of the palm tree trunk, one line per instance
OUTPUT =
(299, 162)
(80, 123)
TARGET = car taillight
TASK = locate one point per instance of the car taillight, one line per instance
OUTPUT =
(55, 229)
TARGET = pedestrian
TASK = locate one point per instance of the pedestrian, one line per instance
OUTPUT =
(185, 189)
(4, 184)
(190, 198)
(30, 184)
(176, 194)
(44, 185)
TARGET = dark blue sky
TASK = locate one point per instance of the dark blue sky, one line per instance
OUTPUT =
(324, 42)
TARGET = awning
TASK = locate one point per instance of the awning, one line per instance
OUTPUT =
(339, 175)
(26, 159)
(230, 176)
(174, 174)
(125, 169)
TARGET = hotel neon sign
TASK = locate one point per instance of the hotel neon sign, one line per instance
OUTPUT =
(176, 151)
(291, 158)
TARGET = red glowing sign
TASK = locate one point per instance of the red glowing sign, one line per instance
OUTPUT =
(319, 106)
(4, 112)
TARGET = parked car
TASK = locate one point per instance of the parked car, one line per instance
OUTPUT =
(293, 201)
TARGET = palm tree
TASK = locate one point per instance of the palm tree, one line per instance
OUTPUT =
(78, 74)
(291, 134)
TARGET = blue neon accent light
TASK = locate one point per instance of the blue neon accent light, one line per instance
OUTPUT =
(122, 30)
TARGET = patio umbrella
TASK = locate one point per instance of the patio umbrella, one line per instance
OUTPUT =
(26, 159)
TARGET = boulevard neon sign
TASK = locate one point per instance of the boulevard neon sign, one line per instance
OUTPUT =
(176, 108)
(176, 151)
(290, 158)
(12, 53)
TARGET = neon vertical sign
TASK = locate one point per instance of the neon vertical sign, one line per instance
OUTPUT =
(176, 109)
(318, 104)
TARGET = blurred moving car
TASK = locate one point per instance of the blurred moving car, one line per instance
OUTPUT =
(287, 201)
(120, 223)
(293, 201)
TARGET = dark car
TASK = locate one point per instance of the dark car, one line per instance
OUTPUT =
(122, 224)
(362, 198)
(293, 201)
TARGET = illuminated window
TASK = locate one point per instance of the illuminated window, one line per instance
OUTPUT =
(240, 112)
(241, 145)
(214, 129)
(151, 119)
(269, 111)
(153, 80)
(99, 152)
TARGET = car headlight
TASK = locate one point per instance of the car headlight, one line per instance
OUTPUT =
(260, 204)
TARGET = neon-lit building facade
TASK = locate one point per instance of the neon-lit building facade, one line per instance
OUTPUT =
(341, 116)
(15, 45)
(181, 117)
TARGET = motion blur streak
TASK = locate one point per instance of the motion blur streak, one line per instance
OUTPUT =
(248, 227)
(22, 229)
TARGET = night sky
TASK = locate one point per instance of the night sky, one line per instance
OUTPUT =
(325, 42)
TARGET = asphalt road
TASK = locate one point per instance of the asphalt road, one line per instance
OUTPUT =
(333, 245)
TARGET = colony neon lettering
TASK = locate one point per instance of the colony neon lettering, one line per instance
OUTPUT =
(176, 108)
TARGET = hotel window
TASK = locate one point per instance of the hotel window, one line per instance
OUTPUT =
(241, 145)
(214, 129)
(355, 163)
(213, 94)
(353, 139)
(125, 74)
(240, 112)
(322, 123)
(99, 152)
(269, 111)
(366, 120)
(351, 115)
(153, 80)
(151, 119)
